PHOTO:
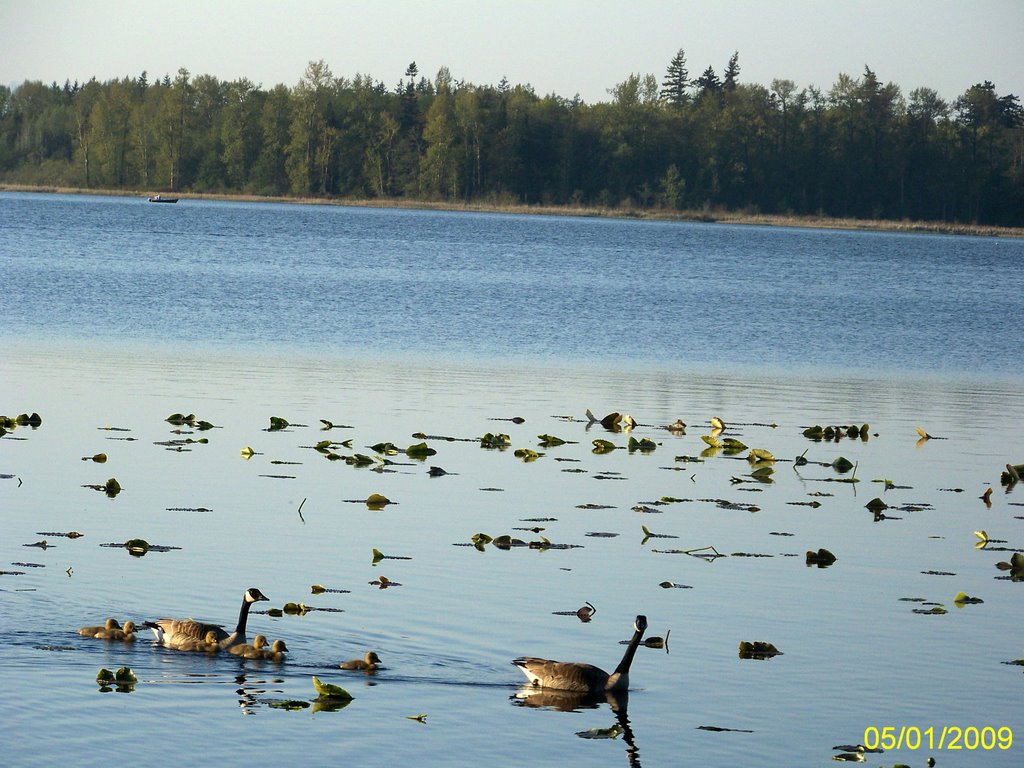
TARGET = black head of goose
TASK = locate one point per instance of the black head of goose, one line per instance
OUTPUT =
(172, 633)
(576, 676)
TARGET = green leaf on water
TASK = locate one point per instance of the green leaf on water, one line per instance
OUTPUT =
(603, 446)
(550, 441)
(420, 451)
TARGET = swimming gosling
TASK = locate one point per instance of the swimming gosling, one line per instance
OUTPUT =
(171, 633)
(276, 652)
(91, 631)
(254, 651)
(582, 678)
(368, 663)
(126, 633)
(207, 645)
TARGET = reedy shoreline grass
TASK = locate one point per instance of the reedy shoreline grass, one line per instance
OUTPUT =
(654, 214)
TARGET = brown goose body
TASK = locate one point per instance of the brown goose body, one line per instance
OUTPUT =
(368, 663)
(579, 677)
(173, 633)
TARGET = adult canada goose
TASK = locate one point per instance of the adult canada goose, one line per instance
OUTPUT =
(276, 652)
(126, 633)
(91, 631)
(171, 633)
(208, 644)
(368, 663)
(574, 676)
(253, 651)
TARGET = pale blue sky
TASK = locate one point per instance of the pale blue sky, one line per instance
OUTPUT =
(558, 46)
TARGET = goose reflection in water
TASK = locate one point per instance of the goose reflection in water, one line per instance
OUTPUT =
(571, 701)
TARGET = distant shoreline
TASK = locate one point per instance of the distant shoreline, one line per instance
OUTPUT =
(710, 216)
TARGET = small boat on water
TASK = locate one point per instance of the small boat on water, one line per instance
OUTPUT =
(158, 198)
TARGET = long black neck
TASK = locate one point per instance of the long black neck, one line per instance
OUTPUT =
(243, 617)
(627, 657)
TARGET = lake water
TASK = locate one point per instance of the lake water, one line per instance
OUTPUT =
(390, 323)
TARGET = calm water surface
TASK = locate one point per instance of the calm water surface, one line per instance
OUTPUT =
(390, 323)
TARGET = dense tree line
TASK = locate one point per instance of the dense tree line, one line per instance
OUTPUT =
(862, 149)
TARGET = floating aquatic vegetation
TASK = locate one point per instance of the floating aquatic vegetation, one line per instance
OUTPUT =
(124, 679)
(717, 423)
(41, 544)
(111, 487)
(383, 582)
(610, 422)
(612, 732)
(527, 454)
(378, 556)
(962, 598)
(698, 552)
(99, 458)
(1015, 566)
(649, 534)
(140, 547)
(603, 446)
(329, 690)
(719, 729)
(247, 452)
(644, 445)
(731, 446)
(422, 718)
(377, 501)
(288, 704)
(331, 425)
(811, 504)
(279, 477)
(822, 558)
(9, 423)
(937, 609)
(68, 535)
(673, 585)
(550, 441)
(842, 465)
(584, 613)
(490, 440)
(677, 427)
(645, 509)
(277, 423)
(757, 650)
(1012, 474)
(318, 589)
(712, 441)
(690, 459)
(13, 573)
(938, 573)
